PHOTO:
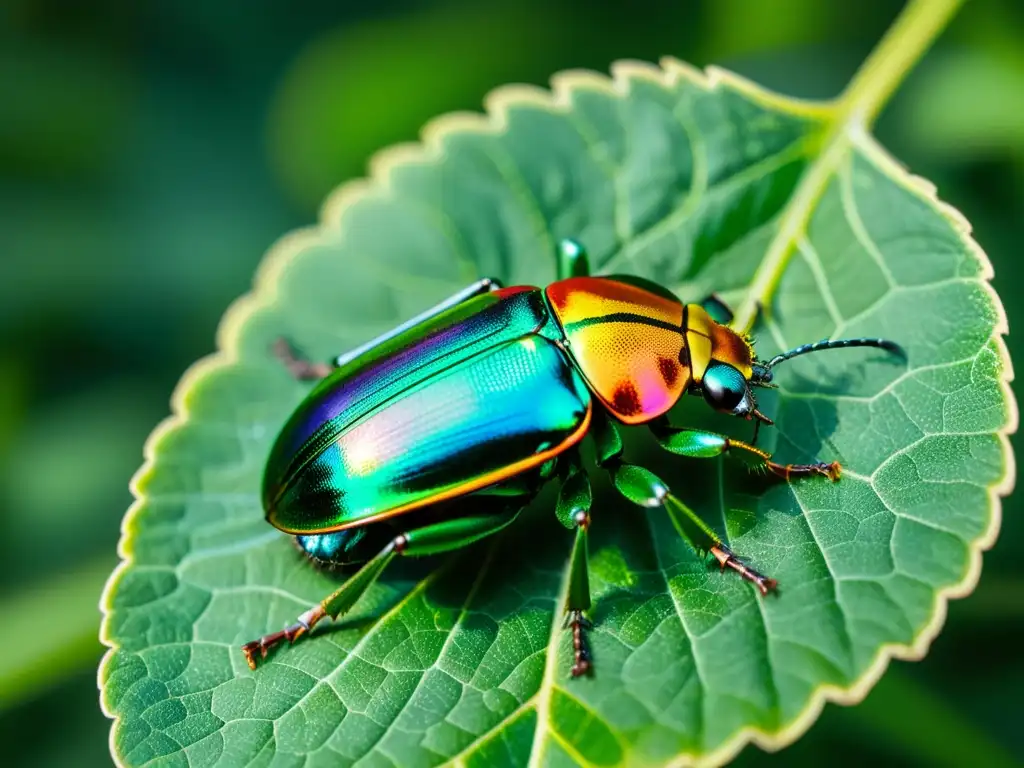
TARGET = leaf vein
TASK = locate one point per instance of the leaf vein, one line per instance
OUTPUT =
(666, 224)
(701, 731)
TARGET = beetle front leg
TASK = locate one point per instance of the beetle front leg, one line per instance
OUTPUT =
(698, 444)
(428, 540)
(573, 509)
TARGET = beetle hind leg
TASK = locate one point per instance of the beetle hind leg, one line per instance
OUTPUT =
(443, 536)
(304, 369)
(257, 650)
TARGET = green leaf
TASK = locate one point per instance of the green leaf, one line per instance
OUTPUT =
(701, 182)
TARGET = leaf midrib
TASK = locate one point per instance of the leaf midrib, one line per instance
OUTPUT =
(851, 116)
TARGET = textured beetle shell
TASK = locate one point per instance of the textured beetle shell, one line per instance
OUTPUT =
(627, 341)
(473, 397)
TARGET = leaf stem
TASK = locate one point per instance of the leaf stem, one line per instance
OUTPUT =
(914, 30)
(906, 41)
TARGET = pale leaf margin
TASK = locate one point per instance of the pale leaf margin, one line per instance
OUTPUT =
(493, 122)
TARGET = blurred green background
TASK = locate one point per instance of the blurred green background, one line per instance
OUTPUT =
(151, 152)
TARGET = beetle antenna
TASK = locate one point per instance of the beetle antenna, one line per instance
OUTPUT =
(888, 346)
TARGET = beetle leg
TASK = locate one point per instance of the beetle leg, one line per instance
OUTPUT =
(573, 509)
(430, 539)
(719, 311)
(308, 370)
(299, 367)
(643, 487)
(698, 444)
(339, 602)
(726, 557)
(572, 259)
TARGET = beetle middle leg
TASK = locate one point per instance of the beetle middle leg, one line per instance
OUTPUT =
(442, 536)
(644, 488)
(573, 509)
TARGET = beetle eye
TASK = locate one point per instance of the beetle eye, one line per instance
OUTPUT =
(724, 387)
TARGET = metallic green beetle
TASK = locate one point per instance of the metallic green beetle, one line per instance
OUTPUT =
(449, 424)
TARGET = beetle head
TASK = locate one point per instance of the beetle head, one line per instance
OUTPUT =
(727, 390)
(733, 371)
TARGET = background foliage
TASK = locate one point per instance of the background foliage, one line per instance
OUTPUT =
(149, 157)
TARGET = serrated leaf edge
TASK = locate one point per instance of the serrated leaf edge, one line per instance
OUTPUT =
(493, 121)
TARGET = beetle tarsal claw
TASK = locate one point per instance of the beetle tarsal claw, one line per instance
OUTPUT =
(832, 471)
(727, 559)
(291, 634)
(248, 650)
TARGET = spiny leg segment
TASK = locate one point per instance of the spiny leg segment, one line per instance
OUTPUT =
(430, 539)
(700, 444)
(573, 510)
(644, 488)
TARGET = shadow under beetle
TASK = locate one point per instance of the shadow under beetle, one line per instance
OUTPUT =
(487, 396)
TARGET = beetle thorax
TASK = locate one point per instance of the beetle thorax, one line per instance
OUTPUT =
(626, 340)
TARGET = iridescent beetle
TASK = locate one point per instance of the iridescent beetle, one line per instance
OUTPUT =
(448, 425)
